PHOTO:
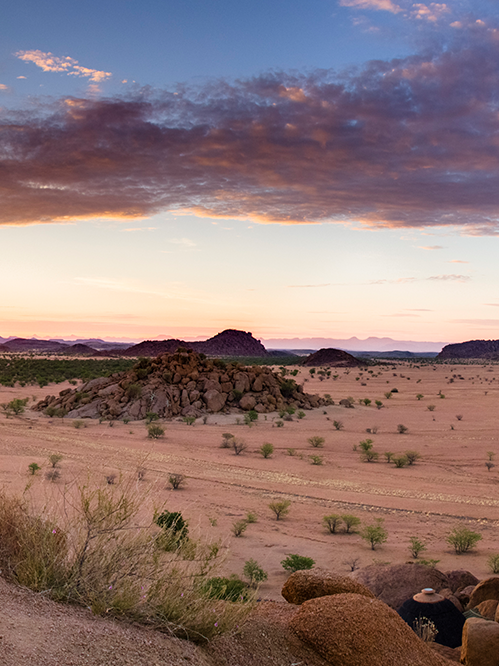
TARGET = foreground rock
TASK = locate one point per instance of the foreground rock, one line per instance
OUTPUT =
(353, 630)
(304, 585)
(395, 583)
(486, 589)
(480, 643)
(184, 383)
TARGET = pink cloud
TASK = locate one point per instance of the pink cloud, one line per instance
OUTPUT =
(405, 143)
(48, 62)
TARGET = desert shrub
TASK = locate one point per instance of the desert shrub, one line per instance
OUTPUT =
(151, 416)
(33, 468)
(366, 402)
(55, 459)
(238, 445)
(254, 572)
(375, 534)
(288, 387)
(227, 437)
(416, 546)
(402, 429)
(176, 481)
(280, 508)
(425, 629)
(266, 449)
(111, 478)
(287, 417)
(463, 539)
(291, 452)
(350, 522)
(388, 456)
(378, 404)
(400, 461)
(78, 423)
(489, 465)
(189, 420)
(412, 457)
(493, 563)
(15, 406)
(490, 455)
(388, 395)
(429, 563)
(173, 522)
(251, 517)
(295, 562)
(367, 454)
(227, 589)
(279, 424)
(301, 414)
(431, 408)
(316, 441)
(134, 391)
(338, 425)
(252, 415)
(316, 460)
(332, 522)
(155, 431)
(419, 396)
(459, 417)
(237, 395)
(239, 527)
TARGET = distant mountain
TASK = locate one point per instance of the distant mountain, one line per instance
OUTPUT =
(353, 344)
(21, 345)
(486, 349)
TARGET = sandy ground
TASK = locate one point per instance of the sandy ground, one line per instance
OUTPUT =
(450, 484)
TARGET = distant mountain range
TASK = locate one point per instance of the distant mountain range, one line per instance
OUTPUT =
(354, 344)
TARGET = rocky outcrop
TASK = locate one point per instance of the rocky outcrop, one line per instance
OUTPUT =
(480, 643)
(333, 357)
(460, 578)
(488, 608)
(182, 384)
(488, 349)
(353, 630)
(395, 583)
(310, 584)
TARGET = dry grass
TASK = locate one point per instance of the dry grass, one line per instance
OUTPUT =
(90, 547)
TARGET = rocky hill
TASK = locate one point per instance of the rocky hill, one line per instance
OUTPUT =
(185, 383)
(486, 349)
(333, 357)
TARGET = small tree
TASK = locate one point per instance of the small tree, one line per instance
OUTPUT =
(55, 459)
(332, 522)
(489, 465)
(463, 539)
(388, 456)
(416, 546)
(176, 481)
(367, 454)
(388, 395)
(266, 449)
(490, 455)
(254, 573)
(316, 441)
(33, 467)
(155, 431)
(294, 563)
(400, 461)
(350, 522)
(375, 534)
(366, 402)
(412, 457)
(238, 445)
(402, 429)
(378, 404)
(419, 396)
(280, 508)
(338, 425)
(227, 438)
(239, 527)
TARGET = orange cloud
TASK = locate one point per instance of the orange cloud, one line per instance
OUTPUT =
(385, 5)
(48, 62)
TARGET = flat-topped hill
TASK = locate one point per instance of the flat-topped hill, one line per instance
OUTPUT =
(488, 349)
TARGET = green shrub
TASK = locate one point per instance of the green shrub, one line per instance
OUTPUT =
(238, 445)
(229, 589)
(78, 424)
(301, 414)
(375, 534)
(332, 522)
(151, 416)
(493, 563)
(266, 449)
(279, 424)
(239, 527)
(55, 459)
(402, 429)
(294, 563)
(350, 522)
(316, 460)
(280, 508)
(416, 546)
(463, 539)
(400, 461)
(251, 517)
(338, 425)
(254, 572)
(155, 431)
(316, 441)
(134, 391)
(412, 456)
(176, 481)
(33, 467)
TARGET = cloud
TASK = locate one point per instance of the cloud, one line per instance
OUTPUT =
(431, 12)
(309, 286)
(450, 278)
(48, 62)
(385, 5)
(407, 143)
(431, 247)
(458, 261)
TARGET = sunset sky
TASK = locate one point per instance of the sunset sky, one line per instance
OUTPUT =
(324, 168)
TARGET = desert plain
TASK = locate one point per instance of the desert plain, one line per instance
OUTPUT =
(449, 485)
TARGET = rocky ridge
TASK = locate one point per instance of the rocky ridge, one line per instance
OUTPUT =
(333, 357)
(181, 384)
(487, 349)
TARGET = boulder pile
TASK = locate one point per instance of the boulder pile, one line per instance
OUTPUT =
(185, 383)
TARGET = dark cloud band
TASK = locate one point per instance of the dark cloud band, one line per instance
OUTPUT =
(406, 143)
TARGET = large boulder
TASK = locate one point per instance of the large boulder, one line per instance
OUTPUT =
(214, 400)
(488, 608)
(480, 643)
(460, 578)
(486, 589)
(309, 584)
(395, 583)
(354, 630)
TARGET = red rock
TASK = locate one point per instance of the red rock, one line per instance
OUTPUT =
(309, 584)
(480, 643)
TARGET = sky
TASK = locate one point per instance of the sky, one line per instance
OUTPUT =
(327, 168)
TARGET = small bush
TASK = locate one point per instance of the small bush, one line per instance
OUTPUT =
(254, 572)
(378, 404)
(316, 460)
(388, 456)
(266, 449)
(350, 522)
(291, 452)
(134, 391)
(227, 438)
(419, 396)
(338, 425)
(412, 457)
(402, 429)
(33, 467)
(493, 563)
(294, 563)
(332, 522)
(280, 508)
(279, 424)
(155, 431)
(176, 481)
(388, 395)
(416, 546)
(238, 445)
(152, 416)
(431, 408)
(400, 461)
(375, 534)
(78, 424)
(239, 527)
(316, 441)
(463, 539)
(111, 479)
(227, 589)
(251, 517)
(55, 459)
(252, 415)
(301, 414)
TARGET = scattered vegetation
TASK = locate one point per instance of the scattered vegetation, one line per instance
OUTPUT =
(294, 563)
(350, 521)
(254, 573)
(280, 508)
(176, 481)
(416, 546)
(267, 449)
(155, 431)
(375, 534)
(239, 527)
(332, 522)
(316, 441)
(238, 445)
(33, 468)
(463, 539)
(316, 460)
(402, 429)
(338, 425)
(27, 370)
(55, 459)
(493, 563)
